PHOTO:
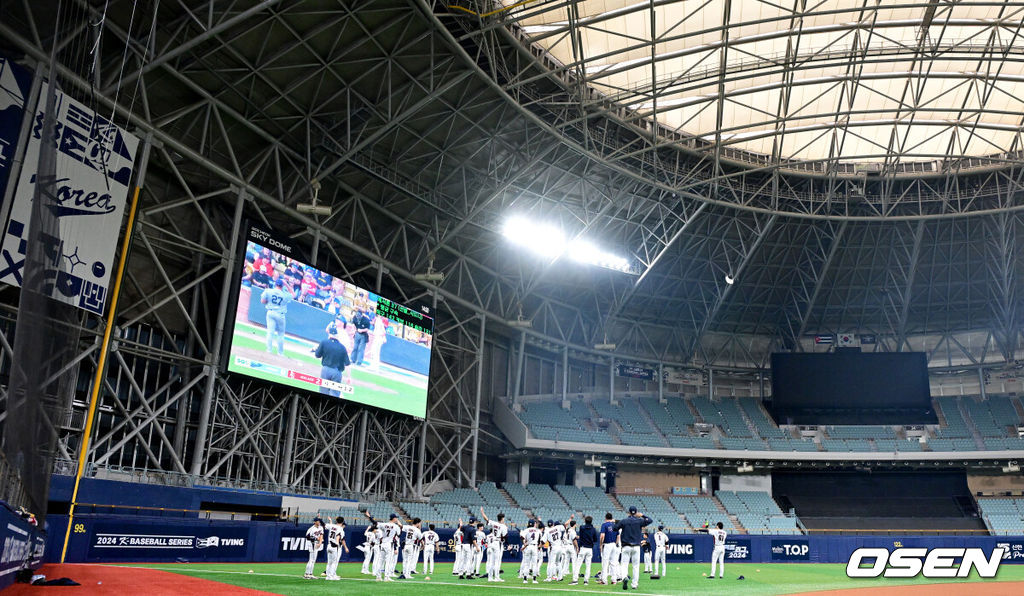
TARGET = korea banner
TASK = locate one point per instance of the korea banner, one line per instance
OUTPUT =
(94, 165)
(14, 89)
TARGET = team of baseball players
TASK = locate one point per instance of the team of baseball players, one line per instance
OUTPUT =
(565, 545)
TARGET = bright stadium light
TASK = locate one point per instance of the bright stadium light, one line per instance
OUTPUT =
(543, 239)
(550, 242)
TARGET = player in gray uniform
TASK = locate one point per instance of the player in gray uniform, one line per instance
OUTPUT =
(276, 300)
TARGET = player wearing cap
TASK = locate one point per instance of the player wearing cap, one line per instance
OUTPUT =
(457, 540)
(609, 554)
(335, 543)
(468, 532)
(586, 540)
(554, 536)
(412, 535)
(430, 540)
(660, 548)
(276, 300)
(631, 535)
(646, 549)
(531, 541)
(314, 542)
(718, 552)
(480, 548)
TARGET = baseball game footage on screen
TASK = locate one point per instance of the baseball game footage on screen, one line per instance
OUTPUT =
(305, 328)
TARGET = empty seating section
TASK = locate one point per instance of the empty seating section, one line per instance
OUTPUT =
(672, 418)
(699, 510)
(994, 417)
(658, 509)
(757, 512)
(766, 428)
(956, 426)
(671, 425)
(1004, 516)
(860, 432)
(599, 499)
(381, 511)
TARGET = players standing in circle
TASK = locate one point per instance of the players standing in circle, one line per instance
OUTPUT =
(660, 548)
(531, 552)
(335, 543)
(718, 552)
(609, 554)
(631, 528)
(276, 300)
(585, 541)
(430, 540)
(409, 555)
(314, 542)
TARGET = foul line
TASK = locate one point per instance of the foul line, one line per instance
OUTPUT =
(548, 587)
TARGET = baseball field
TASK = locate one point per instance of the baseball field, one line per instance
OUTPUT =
(682, 578)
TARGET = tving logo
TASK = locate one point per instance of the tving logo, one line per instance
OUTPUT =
(680, 549)
(215, 541)
(933, 563)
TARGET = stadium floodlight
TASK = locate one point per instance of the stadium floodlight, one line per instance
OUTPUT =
(604, 346)
(520, 322)
(431, 276)
(550, 242)
(544, 239)
(314, 209)
(583, 251)
(729, 279)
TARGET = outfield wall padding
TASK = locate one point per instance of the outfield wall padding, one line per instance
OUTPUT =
(98, 538)
(22, 543)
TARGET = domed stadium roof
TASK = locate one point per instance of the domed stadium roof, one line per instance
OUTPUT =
(874, 85)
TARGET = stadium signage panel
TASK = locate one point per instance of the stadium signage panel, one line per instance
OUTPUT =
(95, 162)
(110, 541)
(680, 549)
(737, 549)
(302, 327)
(930, 563)
(1012, 550)
(635, 372)
(15, 83)
(790, 550)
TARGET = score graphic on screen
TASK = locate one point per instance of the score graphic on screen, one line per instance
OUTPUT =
(302, 327)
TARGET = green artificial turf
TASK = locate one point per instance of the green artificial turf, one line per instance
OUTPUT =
(682, 578)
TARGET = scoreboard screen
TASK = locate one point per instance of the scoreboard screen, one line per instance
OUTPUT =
(302, 327)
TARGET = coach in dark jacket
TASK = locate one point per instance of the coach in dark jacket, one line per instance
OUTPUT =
(632, 528)
(333, 360)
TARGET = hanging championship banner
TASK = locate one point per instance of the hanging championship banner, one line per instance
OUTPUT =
(15, 83)
(94, 166)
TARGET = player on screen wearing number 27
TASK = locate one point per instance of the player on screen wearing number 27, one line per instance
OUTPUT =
(276, 300)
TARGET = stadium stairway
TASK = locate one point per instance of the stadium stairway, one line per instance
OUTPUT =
(975, 434)
(732, 517)
(650, 421)
(750, 423)
(508, 497)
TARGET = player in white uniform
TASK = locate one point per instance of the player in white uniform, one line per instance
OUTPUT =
(718, 552)
(480, 549)
(459, 551)
(430, 540)
(501, 529)
(531, 541)
(412, 535)
(379, 553)
(568, 549)
(314, 542)
(555, 536)
(660, 548)
(367, 548)
(335, 543)
(493, 545)
(389, 547)
(647, 547)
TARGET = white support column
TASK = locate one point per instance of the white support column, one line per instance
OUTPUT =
(565, 373)
(524, 471)
(661, 383)
(611, 380)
